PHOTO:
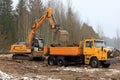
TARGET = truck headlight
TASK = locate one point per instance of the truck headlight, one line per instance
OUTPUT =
(110, 54)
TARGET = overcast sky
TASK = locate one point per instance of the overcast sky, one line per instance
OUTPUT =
(105, 13)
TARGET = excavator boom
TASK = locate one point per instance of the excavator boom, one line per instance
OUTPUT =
(38, 23)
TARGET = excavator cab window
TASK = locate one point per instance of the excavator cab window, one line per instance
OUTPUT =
(41, 44)
(38, 44)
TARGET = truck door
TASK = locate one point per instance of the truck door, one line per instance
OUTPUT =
(88, 48)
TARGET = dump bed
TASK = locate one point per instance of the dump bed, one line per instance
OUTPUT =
(65, 51)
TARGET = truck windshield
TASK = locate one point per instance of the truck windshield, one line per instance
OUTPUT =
(99, 43)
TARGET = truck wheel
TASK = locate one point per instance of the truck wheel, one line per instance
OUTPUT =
(94, 63)
(105, 65)
(60, 61)
(51, 60)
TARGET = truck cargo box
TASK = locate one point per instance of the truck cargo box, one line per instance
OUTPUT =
(65, 51)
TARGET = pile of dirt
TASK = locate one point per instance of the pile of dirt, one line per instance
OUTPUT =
(117, 53)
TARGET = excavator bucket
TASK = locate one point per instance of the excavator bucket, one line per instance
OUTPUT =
(64, 35)
(61, 37)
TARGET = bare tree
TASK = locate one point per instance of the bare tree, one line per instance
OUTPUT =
(117, 39)
(100, 31)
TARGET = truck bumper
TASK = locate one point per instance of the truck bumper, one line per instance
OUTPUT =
(110, 62)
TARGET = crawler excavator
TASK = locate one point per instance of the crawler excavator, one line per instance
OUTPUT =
(34, 45)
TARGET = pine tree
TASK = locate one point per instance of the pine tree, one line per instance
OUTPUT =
(22, 16)
(7, 23)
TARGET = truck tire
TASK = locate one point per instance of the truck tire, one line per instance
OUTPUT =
(60, 61)
(94, 63)
(51, 60)
(105, 65)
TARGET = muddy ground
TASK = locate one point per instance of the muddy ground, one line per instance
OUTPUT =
(39, 70)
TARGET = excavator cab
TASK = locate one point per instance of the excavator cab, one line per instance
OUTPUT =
(37, 44)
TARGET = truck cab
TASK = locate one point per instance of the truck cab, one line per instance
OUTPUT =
(96, 53)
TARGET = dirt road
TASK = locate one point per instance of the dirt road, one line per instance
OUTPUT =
(37, 70)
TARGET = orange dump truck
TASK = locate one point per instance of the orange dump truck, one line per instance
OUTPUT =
(90, 51)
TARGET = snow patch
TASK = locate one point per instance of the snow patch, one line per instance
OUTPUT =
(112, 71)
(72, 69)
(102, 79)
(92, 70)
(105, 79)
(25, 78)
(5, 76)
(77, 69)
(53, 79)
(38, 77)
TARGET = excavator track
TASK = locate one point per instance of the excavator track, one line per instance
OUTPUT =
(22, 57)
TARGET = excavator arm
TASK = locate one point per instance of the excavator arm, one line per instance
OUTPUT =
(38, 23)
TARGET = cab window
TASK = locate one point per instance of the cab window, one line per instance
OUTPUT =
(89, 44)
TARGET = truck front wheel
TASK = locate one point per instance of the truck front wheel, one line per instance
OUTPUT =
(105, 65)
(94, 63)
(51, 60)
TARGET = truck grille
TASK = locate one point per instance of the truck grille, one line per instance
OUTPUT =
(110, 54)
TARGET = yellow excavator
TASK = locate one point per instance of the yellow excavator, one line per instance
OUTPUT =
(34, 45)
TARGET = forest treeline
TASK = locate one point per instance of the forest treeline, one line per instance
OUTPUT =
(15, 24)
